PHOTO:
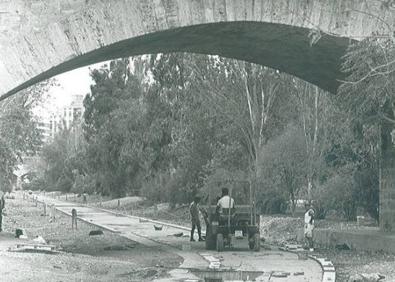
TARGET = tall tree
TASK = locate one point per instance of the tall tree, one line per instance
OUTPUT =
(284, 166)
(249, 98)
(323, 126)
(19, 133)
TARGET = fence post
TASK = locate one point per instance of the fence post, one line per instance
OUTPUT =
(74, 219)
(52, 213)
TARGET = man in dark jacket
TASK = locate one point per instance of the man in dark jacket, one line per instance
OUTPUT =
(194, 209)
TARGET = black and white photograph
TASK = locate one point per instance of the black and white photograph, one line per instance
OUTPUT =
(197, 140)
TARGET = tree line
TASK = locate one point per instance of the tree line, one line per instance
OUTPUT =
(19, 131)
(170, 126)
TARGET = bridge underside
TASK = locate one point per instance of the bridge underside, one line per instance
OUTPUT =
(278, 46)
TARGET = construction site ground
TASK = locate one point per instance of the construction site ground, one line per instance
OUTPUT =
(129, 250)
(108, 257)
(276, 230)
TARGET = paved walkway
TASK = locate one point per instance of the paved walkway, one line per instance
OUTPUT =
(262, 265)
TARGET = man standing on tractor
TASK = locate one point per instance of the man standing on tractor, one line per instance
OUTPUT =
(194, 209)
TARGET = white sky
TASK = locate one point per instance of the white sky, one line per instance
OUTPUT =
(75, 82)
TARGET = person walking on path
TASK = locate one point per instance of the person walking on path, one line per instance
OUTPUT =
(309, 227)
(2, 204)
(194, 209)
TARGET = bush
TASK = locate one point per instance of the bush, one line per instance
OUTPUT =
(64, 184)
(346, 193)
(83, 184)
(177, 189)
(336, 194)
(35, 184)
(158, 189)
(366, 191)
(272, 202)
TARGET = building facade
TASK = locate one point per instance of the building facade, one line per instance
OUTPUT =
(63, 118)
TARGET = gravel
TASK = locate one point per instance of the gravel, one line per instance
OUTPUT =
(108, 257)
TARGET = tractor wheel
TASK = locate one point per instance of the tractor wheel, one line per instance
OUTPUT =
(220, 242)
(210, 239)
(251, 244)
(257, 242)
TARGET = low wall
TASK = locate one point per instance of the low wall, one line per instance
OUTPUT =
(371, 239)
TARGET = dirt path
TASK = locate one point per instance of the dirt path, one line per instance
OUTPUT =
(107, 257)
(197, 258)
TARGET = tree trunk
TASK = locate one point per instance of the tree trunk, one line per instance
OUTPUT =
(387, 175)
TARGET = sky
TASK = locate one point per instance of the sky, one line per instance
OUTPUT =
(70, 83)
(73, 82)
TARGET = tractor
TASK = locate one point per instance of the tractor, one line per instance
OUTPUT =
(227, 225)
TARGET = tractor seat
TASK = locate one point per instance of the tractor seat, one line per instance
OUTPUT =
(224, 213)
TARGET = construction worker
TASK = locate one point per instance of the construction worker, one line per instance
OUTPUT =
(226, 201)
(309, 226)
(194, 210)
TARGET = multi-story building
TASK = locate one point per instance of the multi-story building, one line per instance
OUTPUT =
(44, 128)
(64, 118)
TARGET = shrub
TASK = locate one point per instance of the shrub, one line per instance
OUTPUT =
(157, 189)
(336, 194)
(366, 191)
(35, 184)
(272, 202)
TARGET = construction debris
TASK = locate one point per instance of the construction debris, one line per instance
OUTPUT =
(280, 274)
(33, 248)
(39, 240)
(120, 247)
(299, 273)
(19, 233)
(96, 232)
(366, 277)
(343, 247)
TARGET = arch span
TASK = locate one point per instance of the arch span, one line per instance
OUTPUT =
(43, 38)
(261, 43)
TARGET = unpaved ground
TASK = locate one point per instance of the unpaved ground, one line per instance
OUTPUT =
(107, 257)
(283, 229)
(348, 263)
(195, 256)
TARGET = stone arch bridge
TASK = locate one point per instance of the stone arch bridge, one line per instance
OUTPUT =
(42, 38)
